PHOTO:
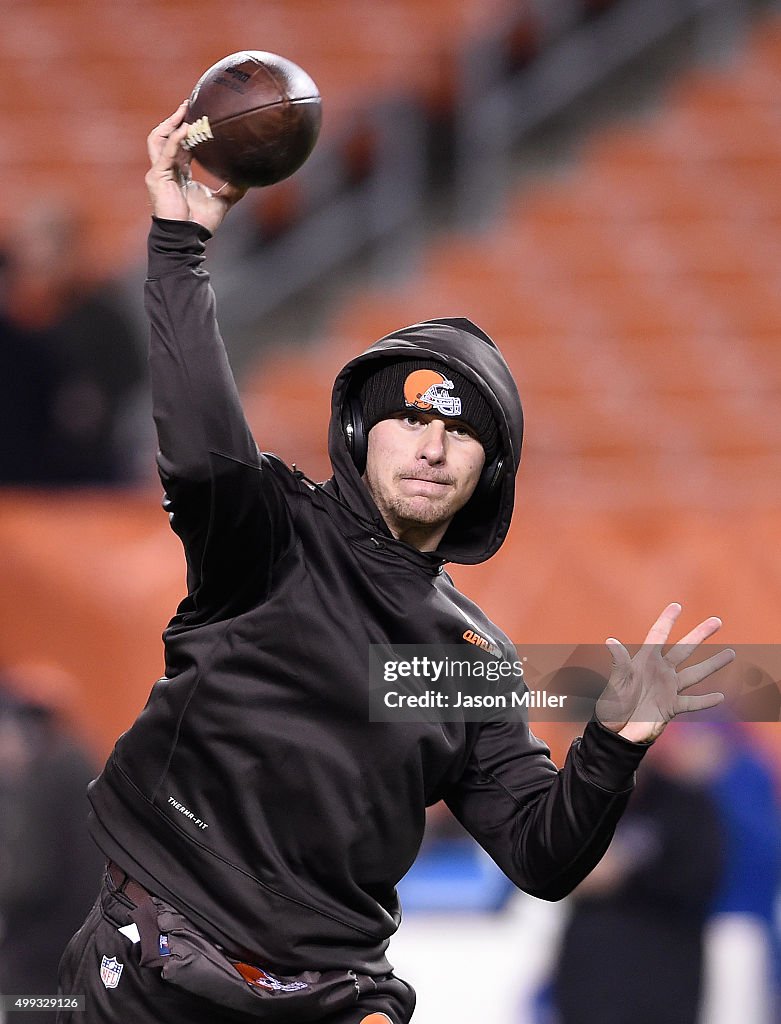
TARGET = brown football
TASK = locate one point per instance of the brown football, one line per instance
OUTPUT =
(254, 118)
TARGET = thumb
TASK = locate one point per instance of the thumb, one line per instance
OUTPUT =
(618, 653)
(230, 194)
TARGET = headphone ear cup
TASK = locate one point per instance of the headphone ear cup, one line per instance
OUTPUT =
(355, 432)
(490, 478)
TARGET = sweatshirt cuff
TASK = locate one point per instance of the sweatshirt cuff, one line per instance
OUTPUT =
(609, 760)
(174, 244)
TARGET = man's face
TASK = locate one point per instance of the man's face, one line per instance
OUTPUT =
(420, 470)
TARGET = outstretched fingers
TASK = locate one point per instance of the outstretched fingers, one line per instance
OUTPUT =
(659, 633)
(688, 677)
(689, 643)
(698, 703)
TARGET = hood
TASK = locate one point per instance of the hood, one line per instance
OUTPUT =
(479, 529)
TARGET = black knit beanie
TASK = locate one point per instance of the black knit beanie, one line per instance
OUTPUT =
(429, 386)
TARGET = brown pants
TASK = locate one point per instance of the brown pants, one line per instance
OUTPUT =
(125, 991)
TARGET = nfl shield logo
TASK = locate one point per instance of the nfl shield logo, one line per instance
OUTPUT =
(110, 971)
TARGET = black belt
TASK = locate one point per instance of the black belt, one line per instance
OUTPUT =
(139, 896)
(123, 883)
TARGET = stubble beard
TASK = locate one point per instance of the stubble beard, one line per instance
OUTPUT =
(403, 511)
(418, 511)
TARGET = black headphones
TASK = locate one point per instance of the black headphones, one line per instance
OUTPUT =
(357, 440)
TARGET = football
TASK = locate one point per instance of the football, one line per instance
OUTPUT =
(254, 118)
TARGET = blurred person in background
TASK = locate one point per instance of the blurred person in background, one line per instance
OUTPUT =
(632, 949)
(741, 979)
(27, 383)
(49, 866)
(72, 373)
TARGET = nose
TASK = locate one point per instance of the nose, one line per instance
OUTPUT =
(432, 442)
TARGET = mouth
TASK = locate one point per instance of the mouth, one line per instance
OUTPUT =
(427, 485)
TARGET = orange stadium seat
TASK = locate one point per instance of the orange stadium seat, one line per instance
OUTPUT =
(81, 84)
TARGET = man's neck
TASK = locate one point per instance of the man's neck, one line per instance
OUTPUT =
(422, 536)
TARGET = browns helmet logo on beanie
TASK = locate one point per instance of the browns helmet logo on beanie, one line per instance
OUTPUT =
(429, 387)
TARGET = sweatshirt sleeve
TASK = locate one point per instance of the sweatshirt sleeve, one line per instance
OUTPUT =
(220, 492)
(545, 828)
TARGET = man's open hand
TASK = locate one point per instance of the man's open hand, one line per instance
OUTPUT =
(174, 194)
(645, 692)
